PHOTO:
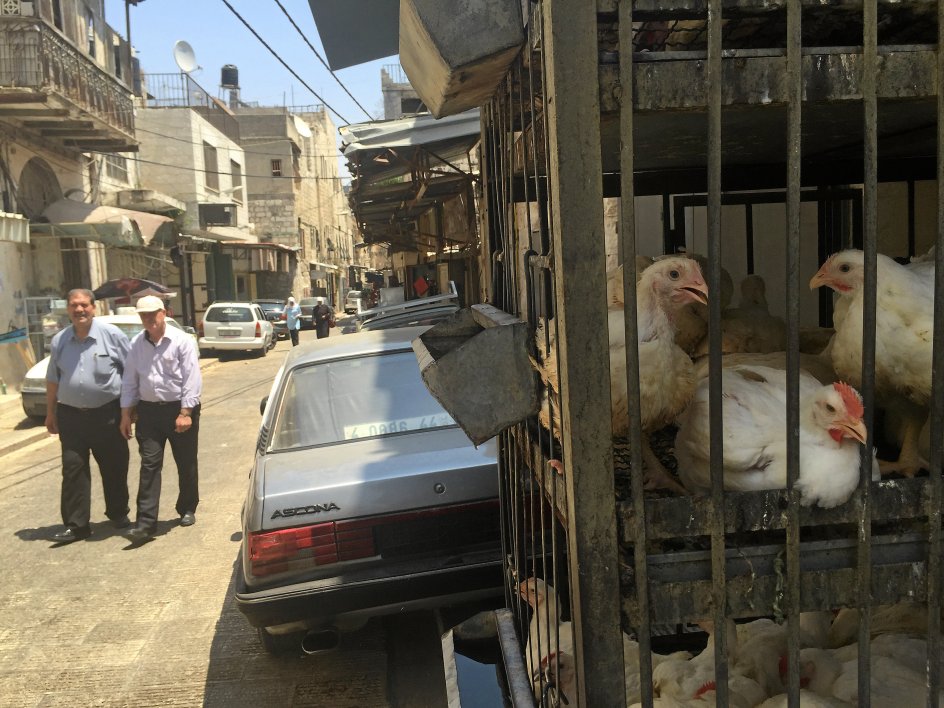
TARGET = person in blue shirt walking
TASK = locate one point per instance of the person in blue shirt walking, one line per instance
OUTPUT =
(83, 384)
(292, 319)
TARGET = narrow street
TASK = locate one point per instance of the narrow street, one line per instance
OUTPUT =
(102, 623)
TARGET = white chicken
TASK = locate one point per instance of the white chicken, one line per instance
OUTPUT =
(892, 683)
(755, 446)
(666, 373)
(548, 637)
(904, 333)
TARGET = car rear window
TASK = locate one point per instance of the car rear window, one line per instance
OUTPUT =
(363, 397)
(268, 307)
(228, 314)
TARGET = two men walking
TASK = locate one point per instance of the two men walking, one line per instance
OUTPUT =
(97, 384)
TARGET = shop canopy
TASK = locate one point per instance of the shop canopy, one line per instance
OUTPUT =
(114, 226)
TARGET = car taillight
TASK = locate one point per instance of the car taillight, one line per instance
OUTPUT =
(258, 329)
(200, 328)
(306, 546)
(282, 317)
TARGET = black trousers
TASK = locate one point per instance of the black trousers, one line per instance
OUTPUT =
(293, 333)
(92, 430)
(155, 427)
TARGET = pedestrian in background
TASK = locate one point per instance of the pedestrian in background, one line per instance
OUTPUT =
(322, 315)
(161, 388)
(292, 320)
(83, 384)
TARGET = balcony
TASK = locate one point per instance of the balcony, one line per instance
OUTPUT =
(50, 90)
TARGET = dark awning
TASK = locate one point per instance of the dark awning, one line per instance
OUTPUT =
(356, 31)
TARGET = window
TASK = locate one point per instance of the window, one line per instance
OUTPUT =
(236, 170)
(57, 14)
(276, 168)
(211, 167)
(116, 168)
(90, 28)
(116, 50)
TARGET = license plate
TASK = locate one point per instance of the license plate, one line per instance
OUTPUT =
(229, 332)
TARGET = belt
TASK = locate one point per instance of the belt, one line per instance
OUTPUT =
(159, 403)
(87, 410)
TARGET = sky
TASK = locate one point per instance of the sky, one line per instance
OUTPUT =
(218, 37)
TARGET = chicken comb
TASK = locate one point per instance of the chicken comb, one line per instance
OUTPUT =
(851, 398)
(707, 686)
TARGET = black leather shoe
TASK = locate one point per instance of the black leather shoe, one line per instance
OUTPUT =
(188, 519)
(70, 535)
(139, 534)
(122, 523)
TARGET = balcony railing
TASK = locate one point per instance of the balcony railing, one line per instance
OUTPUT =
(180, 91)
(35, 57)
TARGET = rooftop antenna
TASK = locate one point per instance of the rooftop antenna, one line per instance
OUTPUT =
(185, 57)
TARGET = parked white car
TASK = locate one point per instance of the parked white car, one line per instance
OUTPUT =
(236, 326)
(33, 390)
(352, 302)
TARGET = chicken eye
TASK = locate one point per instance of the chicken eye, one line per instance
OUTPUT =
(830, 409)
(674, 274)
(844, 268)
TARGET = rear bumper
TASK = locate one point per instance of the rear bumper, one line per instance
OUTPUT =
(34, 404)
(231, 344)
(407, 586)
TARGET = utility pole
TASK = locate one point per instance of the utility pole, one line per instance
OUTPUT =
(128, 4)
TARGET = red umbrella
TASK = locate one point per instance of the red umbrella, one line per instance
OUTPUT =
(131, 288)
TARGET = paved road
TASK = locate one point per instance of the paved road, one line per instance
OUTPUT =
(102, 623)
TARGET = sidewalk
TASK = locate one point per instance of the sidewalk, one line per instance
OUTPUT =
(16, 430)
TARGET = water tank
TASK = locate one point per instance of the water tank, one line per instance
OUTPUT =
(229, 76)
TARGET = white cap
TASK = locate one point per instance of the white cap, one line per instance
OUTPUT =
(149, 303)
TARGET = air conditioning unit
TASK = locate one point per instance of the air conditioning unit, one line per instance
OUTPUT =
(217, 215)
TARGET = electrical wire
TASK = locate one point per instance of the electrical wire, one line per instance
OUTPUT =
(138, 129)
(217, 172)
(282, 62)
(321, 59)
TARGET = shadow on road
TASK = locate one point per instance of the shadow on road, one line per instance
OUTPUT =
(242, 675)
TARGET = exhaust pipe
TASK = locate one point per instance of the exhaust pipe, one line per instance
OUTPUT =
(320, 640)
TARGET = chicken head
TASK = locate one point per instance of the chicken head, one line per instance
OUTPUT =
(838, 409)
(676, 281)
(843, 272)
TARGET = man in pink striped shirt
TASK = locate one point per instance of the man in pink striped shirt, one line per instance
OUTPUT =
(160, 394)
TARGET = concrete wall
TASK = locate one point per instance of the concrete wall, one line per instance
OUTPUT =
(172, 161)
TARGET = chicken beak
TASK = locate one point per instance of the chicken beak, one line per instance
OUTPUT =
(854, 428)
(819, 280)
(696, 291)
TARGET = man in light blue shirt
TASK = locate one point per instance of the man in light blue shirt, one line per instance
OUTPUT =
(83, 382)
(161, 386)
(293, 319)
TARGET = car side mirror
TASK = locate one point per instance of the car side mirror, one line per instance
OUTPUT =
(262, 404)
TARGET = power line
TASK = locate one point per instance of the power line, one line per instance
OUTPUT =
(138, 129)
(282, 61)
(310, 46)
(217, 172)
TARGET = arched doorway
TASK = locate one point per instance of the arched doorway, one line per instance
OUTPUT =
(38, 188)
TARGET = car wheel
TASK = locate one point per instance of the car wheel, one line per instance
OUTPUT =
(280, 643)
(38, 419)
(206, 352)
(264, 350)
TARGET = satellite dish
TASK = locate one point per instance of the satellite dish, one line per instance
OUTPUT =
(302, 127)
(184, 56)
